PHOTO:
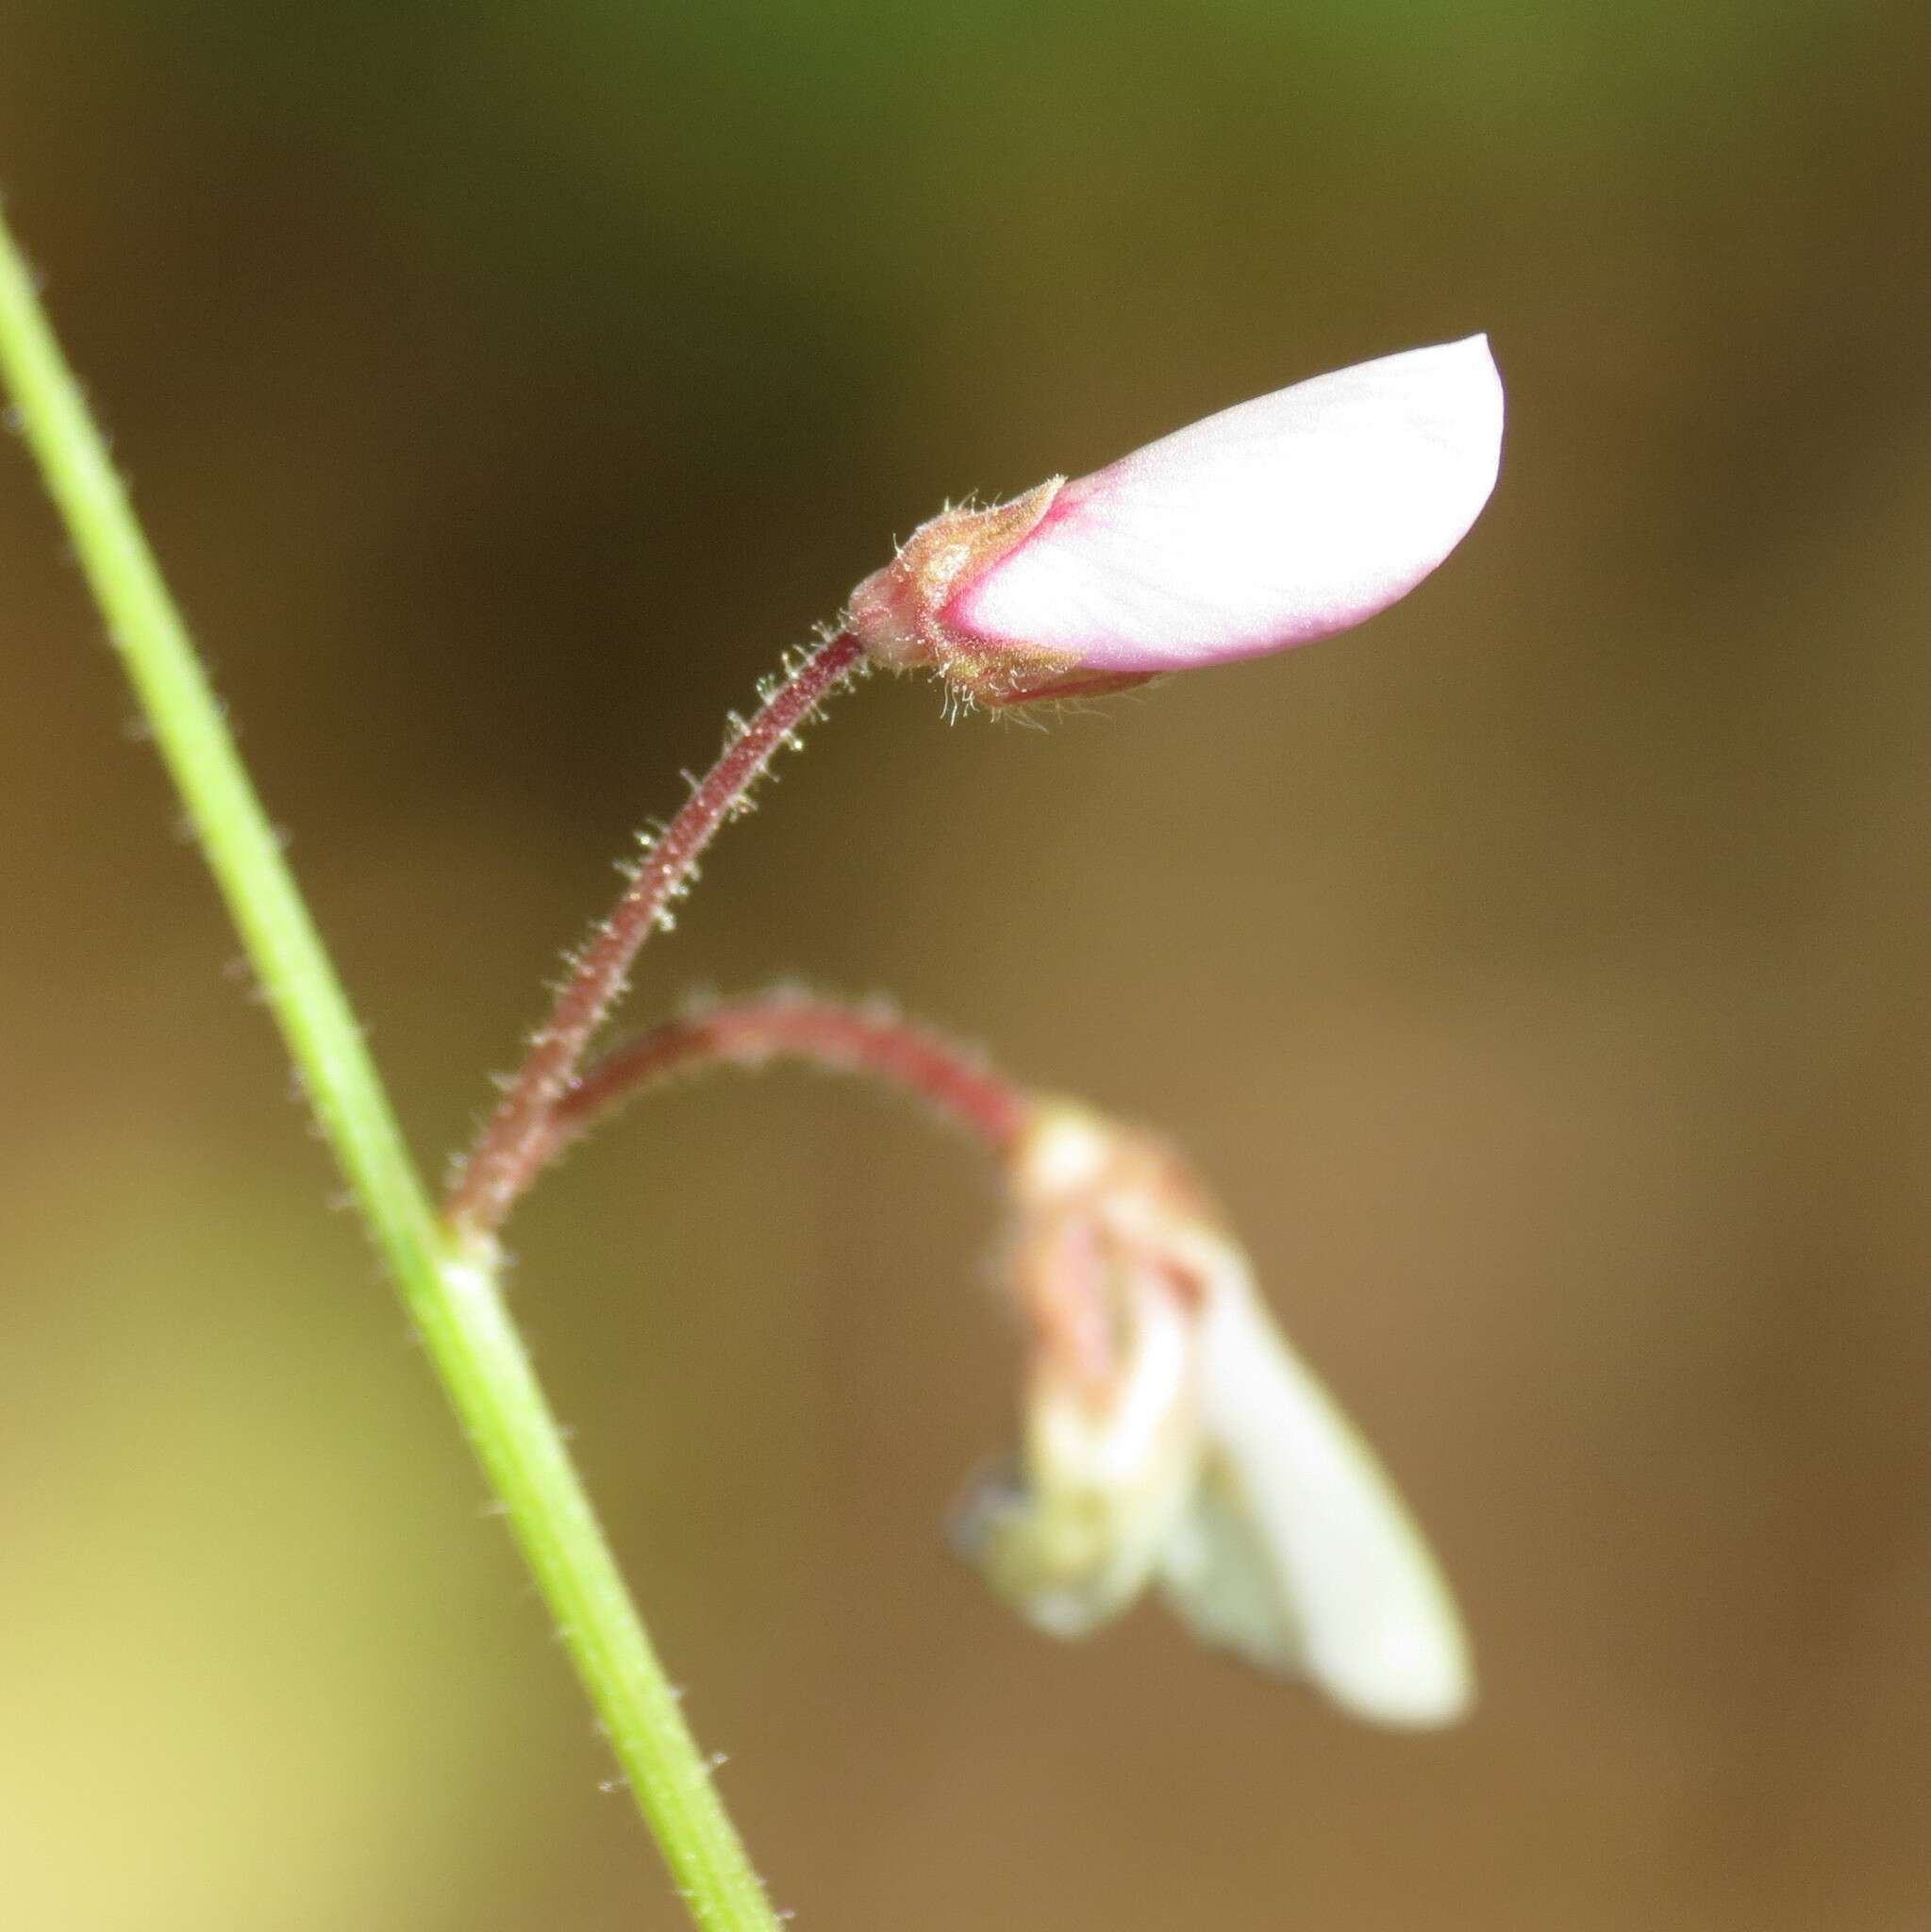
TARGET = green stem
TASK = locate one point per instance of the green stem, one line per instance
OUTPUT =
(452, 1292)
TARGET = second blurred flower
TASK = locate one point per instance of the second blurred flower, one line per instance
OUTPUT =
(1172, 1437)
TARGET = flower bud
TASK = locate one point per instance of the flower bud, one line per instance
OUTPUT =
(1171, 1436)
(1276, 522)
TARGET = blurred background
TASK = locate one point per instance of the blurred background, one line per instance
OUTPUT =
(1540, 974)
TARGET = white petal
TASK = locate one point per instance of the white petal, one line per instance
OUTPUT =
(1076, 1540)
(1298, 1554)
(1277, 521)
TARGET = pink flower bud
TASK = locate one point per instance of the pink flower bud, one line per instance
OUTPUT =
(1274, 523)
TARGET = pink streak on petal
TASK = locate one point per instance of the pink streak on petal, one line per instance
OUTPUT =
(1275, 522)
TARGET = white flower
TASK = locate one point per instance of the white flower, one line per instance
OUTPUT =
(1172, 1437)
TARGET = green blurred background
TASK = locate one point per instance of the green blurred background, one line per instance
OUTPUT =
(1540, 974)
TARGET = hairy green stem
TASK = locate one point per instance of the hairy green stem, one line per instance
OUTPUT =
(452, 1291)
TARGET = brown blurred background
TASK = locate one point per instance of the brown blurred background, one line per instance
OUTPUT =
(1541, 972)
